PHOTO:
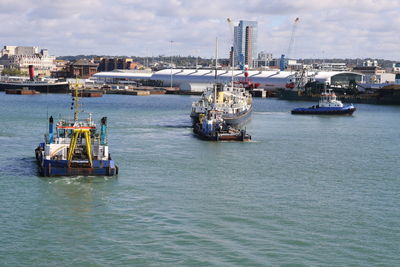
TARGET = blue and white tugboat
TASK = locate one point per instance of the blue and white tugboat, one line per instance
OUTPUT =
(75, 148)
(328, 105)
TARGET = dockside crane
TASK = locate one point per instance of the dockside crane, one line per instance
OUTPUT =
(291, 42)
(294, 28)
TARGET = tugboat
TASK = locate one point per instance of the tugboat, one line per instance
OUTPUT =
(76, 148)
(328, 105)
(213, 127)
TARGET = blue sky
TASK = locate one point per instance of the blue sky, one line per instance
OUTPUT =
(327, 28)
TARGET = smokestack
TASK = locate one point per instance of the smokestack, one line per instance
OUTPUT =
(31, 72)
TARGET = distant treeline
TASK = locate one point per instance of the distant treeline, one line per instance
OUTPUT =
(349, 61)
(13, 72)
(192, 60)
(148, 61)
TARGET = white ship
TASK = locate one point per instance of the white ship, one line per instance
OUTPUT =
(235, 103)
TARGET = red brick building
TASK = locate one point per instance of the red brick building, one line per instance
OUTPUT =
(82, 68)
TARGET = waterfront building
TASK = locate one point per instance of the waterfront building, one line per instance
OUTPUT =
(61, 64)
(370, 63)
(264, 59)
(61, 69)
(121, 77)
(110, 64)
(12, 50)
(289, 63)
(196, 80)
(82, 68)
(375, 74)
(20, 57)
(336, 78)
(245, 43)
(330, 66)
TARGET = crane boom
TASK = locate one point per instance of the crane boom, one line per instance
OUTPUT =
(294, 28)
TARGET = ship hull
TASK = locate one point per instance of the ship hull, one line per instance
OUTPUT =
(59, 88)
(51, 168)
(234, 120)
(346, 110)
(221, 136)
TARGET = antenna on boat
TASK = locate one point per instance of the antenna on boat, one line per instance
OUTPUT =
(76, 97)
(216, 58)
(47, 103)
(215, 77)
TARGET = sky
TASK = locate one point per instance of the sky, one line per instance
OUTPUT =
(327, 28)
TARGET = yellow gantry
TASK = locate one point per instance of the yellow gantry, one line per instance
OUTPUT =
(74, 139)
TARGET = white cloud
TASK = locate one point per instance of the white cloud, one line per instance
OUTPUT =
(329, 28)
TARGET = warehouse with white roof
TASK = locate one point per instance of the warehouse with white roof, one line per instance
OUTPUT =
(337, 77)
(198, 79)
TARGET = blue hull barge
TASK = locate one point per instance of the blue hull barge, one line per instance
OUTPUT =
(328, 105)
(61, 168)
(76, 148)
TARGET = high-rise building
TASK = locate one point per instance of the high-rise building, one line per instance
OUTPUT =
(245, 43)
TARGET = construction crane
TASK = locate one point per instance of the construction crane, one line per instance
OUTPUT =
(289, 50)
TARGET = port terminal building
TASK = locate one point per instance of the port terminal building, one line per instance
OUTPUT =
(197, 79)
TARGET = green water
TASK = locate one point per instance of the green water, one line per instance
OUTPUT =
(307, 191)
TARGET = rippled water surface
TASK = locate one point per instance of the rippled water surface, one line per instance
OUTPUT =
(307, 191)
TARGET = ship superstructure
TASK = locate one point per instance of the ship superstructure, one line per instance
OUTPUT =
(234, 102)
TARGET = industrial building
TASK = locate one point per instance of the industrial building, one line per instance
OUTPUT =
(337, 78)
(110, 64)
(197, 79)
(121, 77)
(82, 68)
(375, 74)
(331, 66)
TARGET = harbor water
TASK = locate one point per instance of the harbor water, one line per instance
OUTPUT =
(306, 191)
